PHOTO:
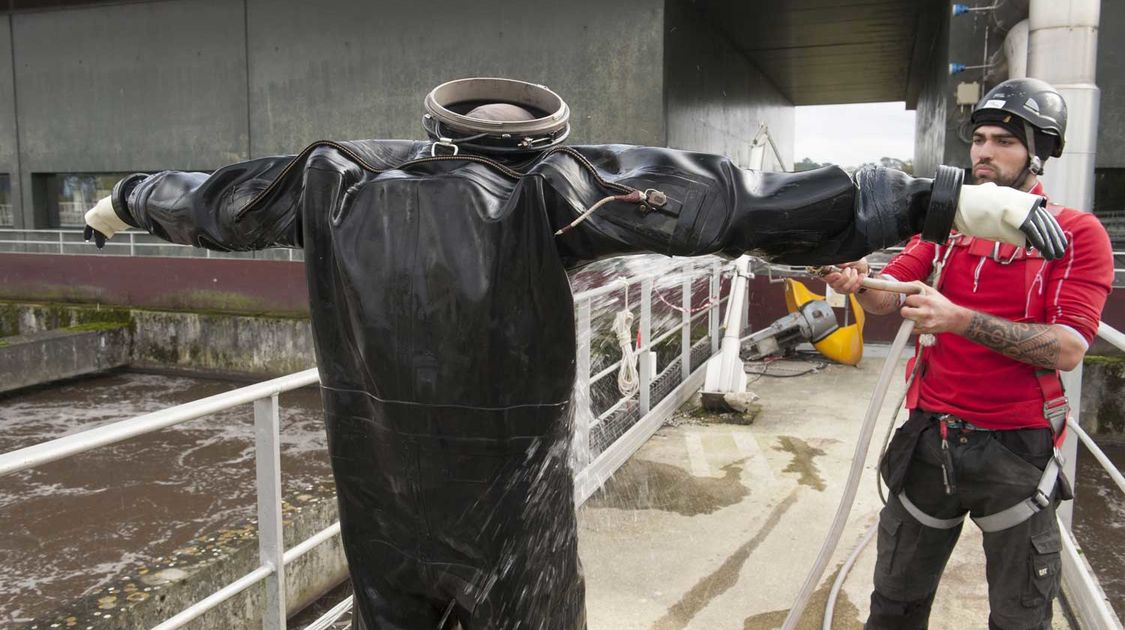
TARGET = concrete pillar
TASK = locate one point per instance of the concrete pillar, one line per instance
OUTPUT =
(1015, 50)
(1062, 50)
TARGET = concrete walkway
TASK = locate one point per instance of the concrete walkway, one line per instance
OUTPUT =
(713, 525)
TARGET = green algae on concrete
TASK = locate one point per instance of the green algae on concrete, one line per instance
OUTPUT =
(23, 318)
(209, 341)
(88, 326)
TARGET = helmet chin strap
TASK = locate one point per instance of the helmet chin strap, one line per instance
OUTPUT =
(1034, 163)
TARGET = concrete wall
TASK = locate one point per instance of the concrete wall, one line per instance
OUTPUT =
(933, 105)
(50, 356)
(715, 97)
(130, 87)
(9, 157)
(360, 69)
(256, 346)
(196, 84)
(1111, 80)
(234, 286)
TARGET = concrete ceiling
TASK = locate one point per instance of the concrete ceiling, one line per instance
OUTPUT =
(820, 52)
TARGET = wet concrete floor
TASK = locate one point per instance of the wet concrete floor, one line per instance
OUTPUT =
(713, 526)
(710, 525)
(71, 527)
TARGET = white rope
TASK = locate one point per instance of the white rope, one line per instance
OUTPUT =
(628, 380)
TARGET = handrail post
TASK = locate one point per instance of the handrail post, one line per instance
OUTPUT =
(271, 545)
(685, 333)
(646, 358)
(60, 241)
(132, 243)
(713, 316)
(1072, 384)
(582, 366)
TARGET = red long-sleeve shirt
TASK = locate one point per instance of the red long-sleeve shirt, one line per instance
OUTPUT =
(974, 382)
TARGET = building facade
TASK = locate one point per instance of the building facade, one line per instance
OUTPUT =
(93, 90)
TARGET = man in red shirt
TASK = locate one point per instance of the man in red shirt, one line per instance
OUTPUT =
(987, 408)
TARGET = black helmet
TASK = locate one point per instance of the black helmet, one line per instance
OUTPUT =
(469, 113)
(1040, 109)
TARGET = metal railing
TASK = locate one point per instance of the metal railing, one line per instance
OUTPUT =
(267, 440)
(1084, 593)
(69, 242)
(273, 557)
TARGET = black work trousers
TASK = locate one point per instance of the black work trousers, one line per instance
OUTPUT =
(992, 471)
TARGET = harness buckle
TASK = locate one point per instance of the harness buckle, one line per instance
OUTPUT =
(1056, 411)
(996, 254)
(445, 143)
(1040, 499)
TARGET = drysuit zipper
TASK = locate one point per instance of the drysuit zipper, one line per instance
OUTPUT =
(506, 170)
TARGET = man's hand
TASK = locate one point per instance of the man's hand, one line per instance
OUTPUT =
(102, 222)
(850, 278)
(1011, 216)
(932, 312)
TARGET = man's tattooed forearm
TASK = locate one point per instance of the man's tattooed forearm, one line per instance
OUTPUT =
(1030, 343)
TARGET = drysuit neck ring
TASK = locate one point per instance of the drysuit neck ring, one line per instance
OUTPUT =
(447, 119)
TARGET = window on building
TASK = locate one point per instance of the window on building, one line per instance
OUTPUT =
(7, 219)
(1109, 191)
(67, 196)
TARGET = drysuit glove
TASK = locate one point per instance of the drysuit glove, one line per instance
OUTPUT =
(1011, 216)
(102, 222)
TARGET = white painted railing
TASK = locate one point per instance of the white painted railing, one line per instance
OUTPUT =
(1083, 592)
(264, 396)
(69, 241)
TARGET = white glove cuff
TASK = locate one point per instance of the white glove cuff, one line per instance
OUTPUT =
(994, 212)
(103, 219)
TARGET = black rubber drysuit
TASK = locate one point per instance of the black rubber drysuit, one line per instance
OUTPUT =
(445, 333)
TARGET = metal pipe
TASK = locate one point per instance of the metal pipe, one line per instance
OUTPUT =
(685, 332)
(730, 367)
(1112, 335)
(66, 446)
(644, 355)
(271, 544)
(1015, 50)
(214, 599)
(1063, 51)
(311, 542)
(327, 619)
(713, 312)
(1099, 455)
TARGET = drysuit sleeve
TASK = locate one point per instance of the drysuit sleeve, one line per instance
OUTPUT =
(713, 207)
(246, 206)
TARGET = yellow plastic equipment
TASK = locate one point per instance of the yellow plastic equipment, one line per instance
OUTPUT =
(845, 345)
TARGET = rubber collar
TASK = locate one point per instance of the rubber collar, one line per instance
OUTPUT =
(943, 203)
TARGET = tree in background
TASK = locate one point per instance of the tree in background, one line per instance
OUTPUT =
(906, 166)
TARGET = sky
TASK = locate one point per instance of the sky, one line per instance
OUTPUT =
(850, 135)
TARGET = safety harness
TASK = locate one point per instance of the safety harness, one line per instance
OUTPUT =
(1056, 407)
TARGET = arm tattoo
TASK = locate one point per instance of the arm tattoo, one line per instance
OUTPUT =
(1036, 344)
